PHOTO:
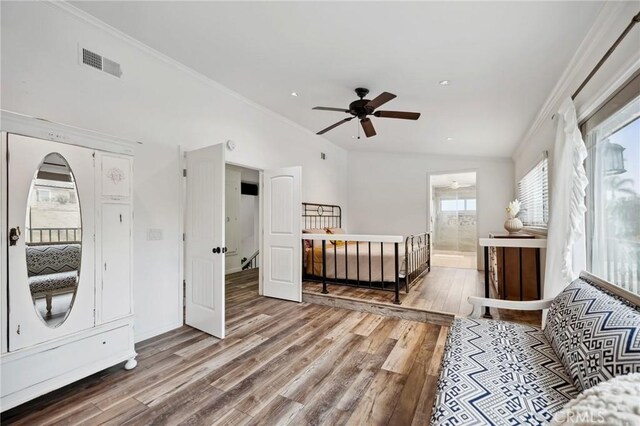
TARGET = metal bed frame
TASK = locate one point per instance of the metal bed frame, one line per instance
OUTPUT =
(417, 258)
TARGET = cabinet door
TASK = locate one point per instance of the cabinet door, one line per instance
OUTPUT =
(116, 261)
(115, 176)
(51, 263)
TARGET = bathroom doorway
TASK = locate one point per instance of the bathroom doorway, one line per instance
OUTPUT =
(453, 219)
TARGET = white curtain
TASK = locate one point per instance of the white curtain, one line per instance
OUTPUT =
(566, 251)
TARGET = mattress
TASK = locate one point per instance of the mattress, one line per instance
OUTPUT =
(351, 261)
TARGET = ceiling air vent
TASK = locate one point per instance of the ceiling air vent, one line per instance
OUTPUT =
(101, 63)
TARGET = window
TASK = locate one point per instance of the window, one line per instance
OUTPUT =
(533, 194)
(43, 195)
(458, 205)
(612, 136)
(54, 212)
(449, 205)
(470, 204)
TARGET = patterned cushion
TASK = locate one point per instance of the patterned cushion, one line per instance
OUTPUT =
(499, 373)
(595, 334)
(49, 259)
(50, 282)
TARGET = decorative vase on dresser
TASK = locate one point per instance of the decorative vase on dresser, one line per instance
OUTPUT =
(66, 256)
(513, 225)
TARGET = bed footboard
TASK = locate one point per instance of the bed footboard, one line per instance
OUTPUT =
(417, 257)
(363, 261)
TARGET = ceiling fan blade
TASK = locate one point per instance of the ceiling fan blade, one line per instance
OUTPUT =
(381, 99)
(331, 109)
(367, 126)
(398, 114)
(333, 126)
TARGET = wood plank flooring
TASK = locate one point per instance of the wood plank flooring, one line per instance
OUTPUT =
(442, 290)
(454, 259)
(282, 363)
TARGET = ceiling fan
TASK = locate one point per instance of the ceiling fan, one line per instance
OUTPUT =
(457, 185)
(362, 108)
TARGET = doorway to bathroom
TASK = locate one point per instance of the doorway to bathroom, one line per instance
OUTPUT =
(453, 219)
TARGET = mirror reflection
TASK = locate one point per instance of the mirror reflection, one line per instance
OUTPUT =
(53, 238)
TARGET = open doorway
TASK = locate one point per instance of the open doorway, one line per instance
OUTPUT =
(208, 220)
(242, 231)
(453, 213)
(242, 223)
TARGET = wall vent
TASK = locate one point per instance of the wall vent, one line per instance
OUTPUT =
(101, 63)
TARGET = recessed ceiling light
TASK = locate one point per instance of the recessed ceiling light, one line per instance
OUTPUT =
(449, 139)
(294, 94)
(444, 82)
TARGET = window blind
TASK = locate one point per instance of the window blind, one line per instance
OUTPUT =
(533, 194)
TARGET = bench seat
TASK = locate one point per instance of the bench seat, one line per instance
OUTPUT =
(57, 282)
(504, 373)
(497, 372)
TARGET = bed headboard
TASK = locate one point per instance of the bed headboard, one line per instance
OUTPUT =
(321, 216)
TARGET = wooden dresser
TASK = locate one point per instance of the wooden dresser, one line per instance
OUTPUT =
(514, 272)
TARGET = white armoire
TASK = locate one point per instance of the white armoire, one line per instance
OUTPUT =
(66, 306)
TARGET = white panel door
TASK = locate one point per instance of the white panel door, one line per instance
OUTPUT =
(282, 261)
(116, 261)
(26, 154)
(204, 240)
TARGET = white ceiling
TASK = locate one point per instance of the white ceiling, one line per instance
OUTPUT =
(502, 58)
(467, 178)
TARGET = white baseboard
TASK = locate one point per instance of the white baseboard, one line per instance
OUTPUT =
(147, 334)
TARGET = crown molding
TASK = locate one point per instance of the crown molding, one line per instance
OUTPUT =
(26, 125)
(444, 157)
(587, 54)
(87, 18)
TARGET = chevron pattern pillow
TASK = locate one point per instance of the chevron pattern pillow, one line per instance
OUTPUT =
(596, 335)
(51, 259)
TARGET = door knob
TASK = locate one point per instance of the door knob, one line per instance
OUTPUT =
(14, 236)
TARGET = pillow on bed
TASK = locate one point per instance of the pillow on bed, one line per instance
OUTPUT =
(336, 231)
(315, 231)
(307, 243)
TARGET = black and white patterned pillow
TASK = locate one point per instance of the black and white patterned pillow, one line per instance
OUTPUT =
(54, 258)
(596, 335)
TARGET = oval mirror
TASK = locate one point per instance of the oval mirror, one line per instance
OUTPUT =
(53, 240)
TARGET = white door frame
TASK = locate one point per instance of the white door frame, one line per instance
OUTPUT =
(479, 253)
(182, 164)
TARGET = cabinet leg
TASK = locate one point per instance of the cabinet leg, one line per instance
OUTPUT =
(131, 364)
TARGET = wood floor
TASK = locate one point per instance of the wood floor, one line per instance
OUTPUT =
(282, 363)
(442, 290)
(454, 259)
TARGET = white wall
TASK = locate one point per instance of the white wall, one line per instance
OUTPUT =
(388, 192)
(162, 105)
(249, 226)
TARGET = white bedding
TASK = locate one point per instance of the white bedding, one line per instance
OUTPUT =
(342, 261)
